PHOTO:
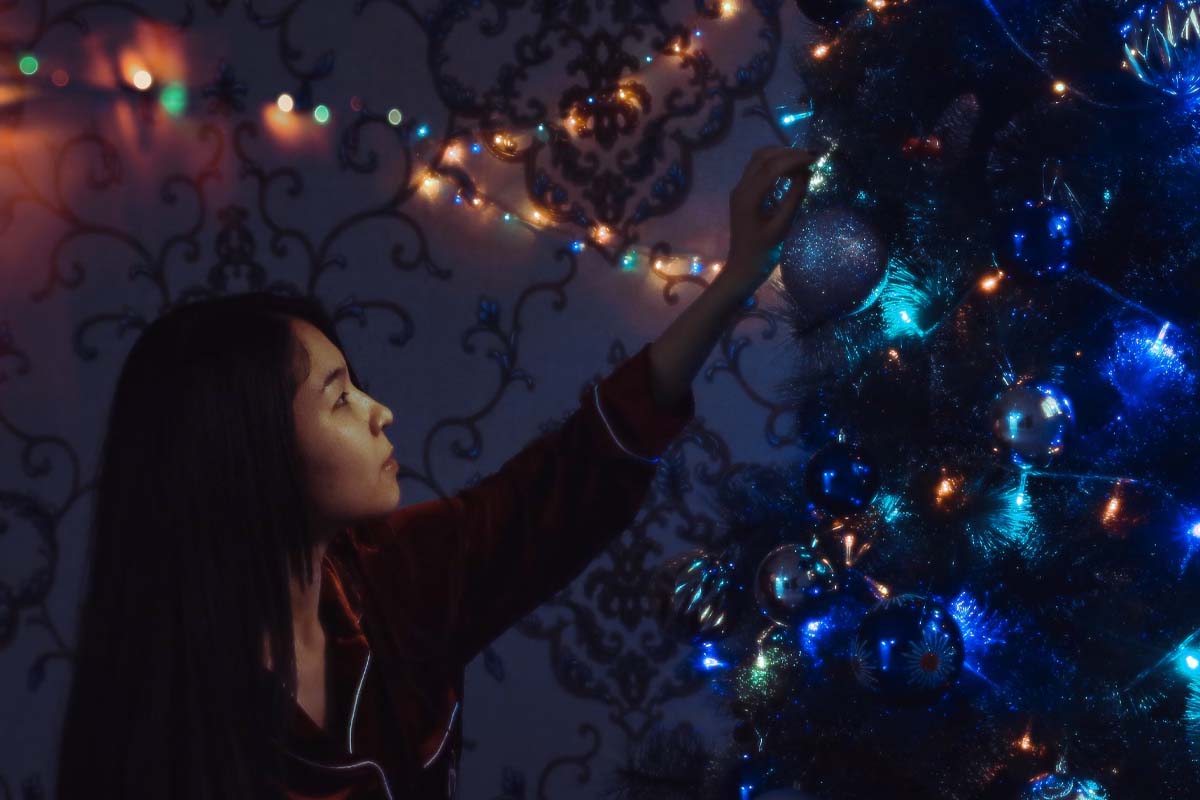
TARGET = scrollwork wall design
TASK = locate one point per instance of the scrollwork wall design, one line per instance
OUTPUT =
(238, 214)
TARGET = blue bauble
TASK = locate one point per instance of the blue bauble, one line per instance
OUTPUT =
(692, 596)
(793, 583)
(1030, 422)
(908, 647)
(841, 478)
(1063, 787)
(832, 265)
(1037, 238)
(1162, 46)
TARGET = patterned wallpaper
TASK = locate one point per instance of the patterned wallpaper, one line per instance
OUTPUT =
(499, 199)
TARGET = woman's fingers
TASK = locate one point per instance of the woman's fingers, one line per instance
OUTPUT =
(791, 163)
(782, 219)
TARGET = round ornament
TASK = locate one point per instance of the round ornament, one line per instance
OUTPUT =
(793, 583)
(1058, 786)
(908, 647)
(831, 264)
(1162, 46)
(1030, 422)
(692, 596)
(841, 478)
(1037, 237)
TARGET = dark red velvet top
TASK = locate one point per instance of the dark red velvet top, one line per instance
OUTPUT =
(407, 602)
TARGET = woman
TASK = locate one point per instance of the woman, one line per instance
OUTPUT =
(261, 620)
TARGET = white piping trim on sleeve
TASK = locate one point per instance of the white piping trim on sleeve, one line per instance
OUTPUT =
(596, 395)
(354, 708)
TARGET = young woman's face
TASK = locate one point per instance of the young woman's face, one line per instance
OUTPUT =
(340, 434)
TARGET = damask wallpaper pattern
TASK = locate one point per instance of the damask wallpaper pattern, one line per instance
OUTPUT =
(499, 200)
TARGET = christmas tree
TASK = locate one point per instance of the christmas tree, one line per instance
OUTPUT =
(981, 580)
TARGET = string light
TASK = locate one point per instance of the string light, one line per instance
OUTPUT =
(1060, 87)
(990, 282)
(820, 51)
(1113, 507)
(880, 591)
(173, 98)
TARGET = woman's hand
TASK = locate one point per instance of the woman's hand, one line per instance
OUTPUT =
(677, 355)
(754, 237)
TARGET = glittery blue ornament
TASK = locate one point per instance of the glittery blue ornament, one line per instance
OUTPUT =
(1063, 787)
(1031, 421)
(692, 596)
(793, 583)
(1162, 46)
(1037, 238)
(841, 478)
(832, 265)
(908, 647)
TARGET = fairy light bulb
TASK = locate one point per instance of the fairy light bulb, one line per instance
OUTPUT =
(142, 80)
(990, 282)
(1060, 87)
(820, 51)
(285, 103)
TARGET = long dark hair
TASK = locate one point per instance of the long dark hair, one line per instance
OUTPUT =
(200, 519)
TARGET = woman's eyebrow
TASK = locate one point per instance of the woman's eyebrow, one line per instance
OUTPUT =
(333, 376)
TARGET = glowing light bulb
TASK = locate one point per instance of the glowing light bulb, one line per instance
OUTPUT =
(820, 51)
(990, 282)
(601, 234)
(1060, 87)
(728, 8)
(394, 117)
(1111, 508)
(142, 80)
(285, 103)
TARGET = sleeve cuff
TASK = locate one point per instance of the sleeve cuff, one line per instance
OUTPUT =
(636, 423)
